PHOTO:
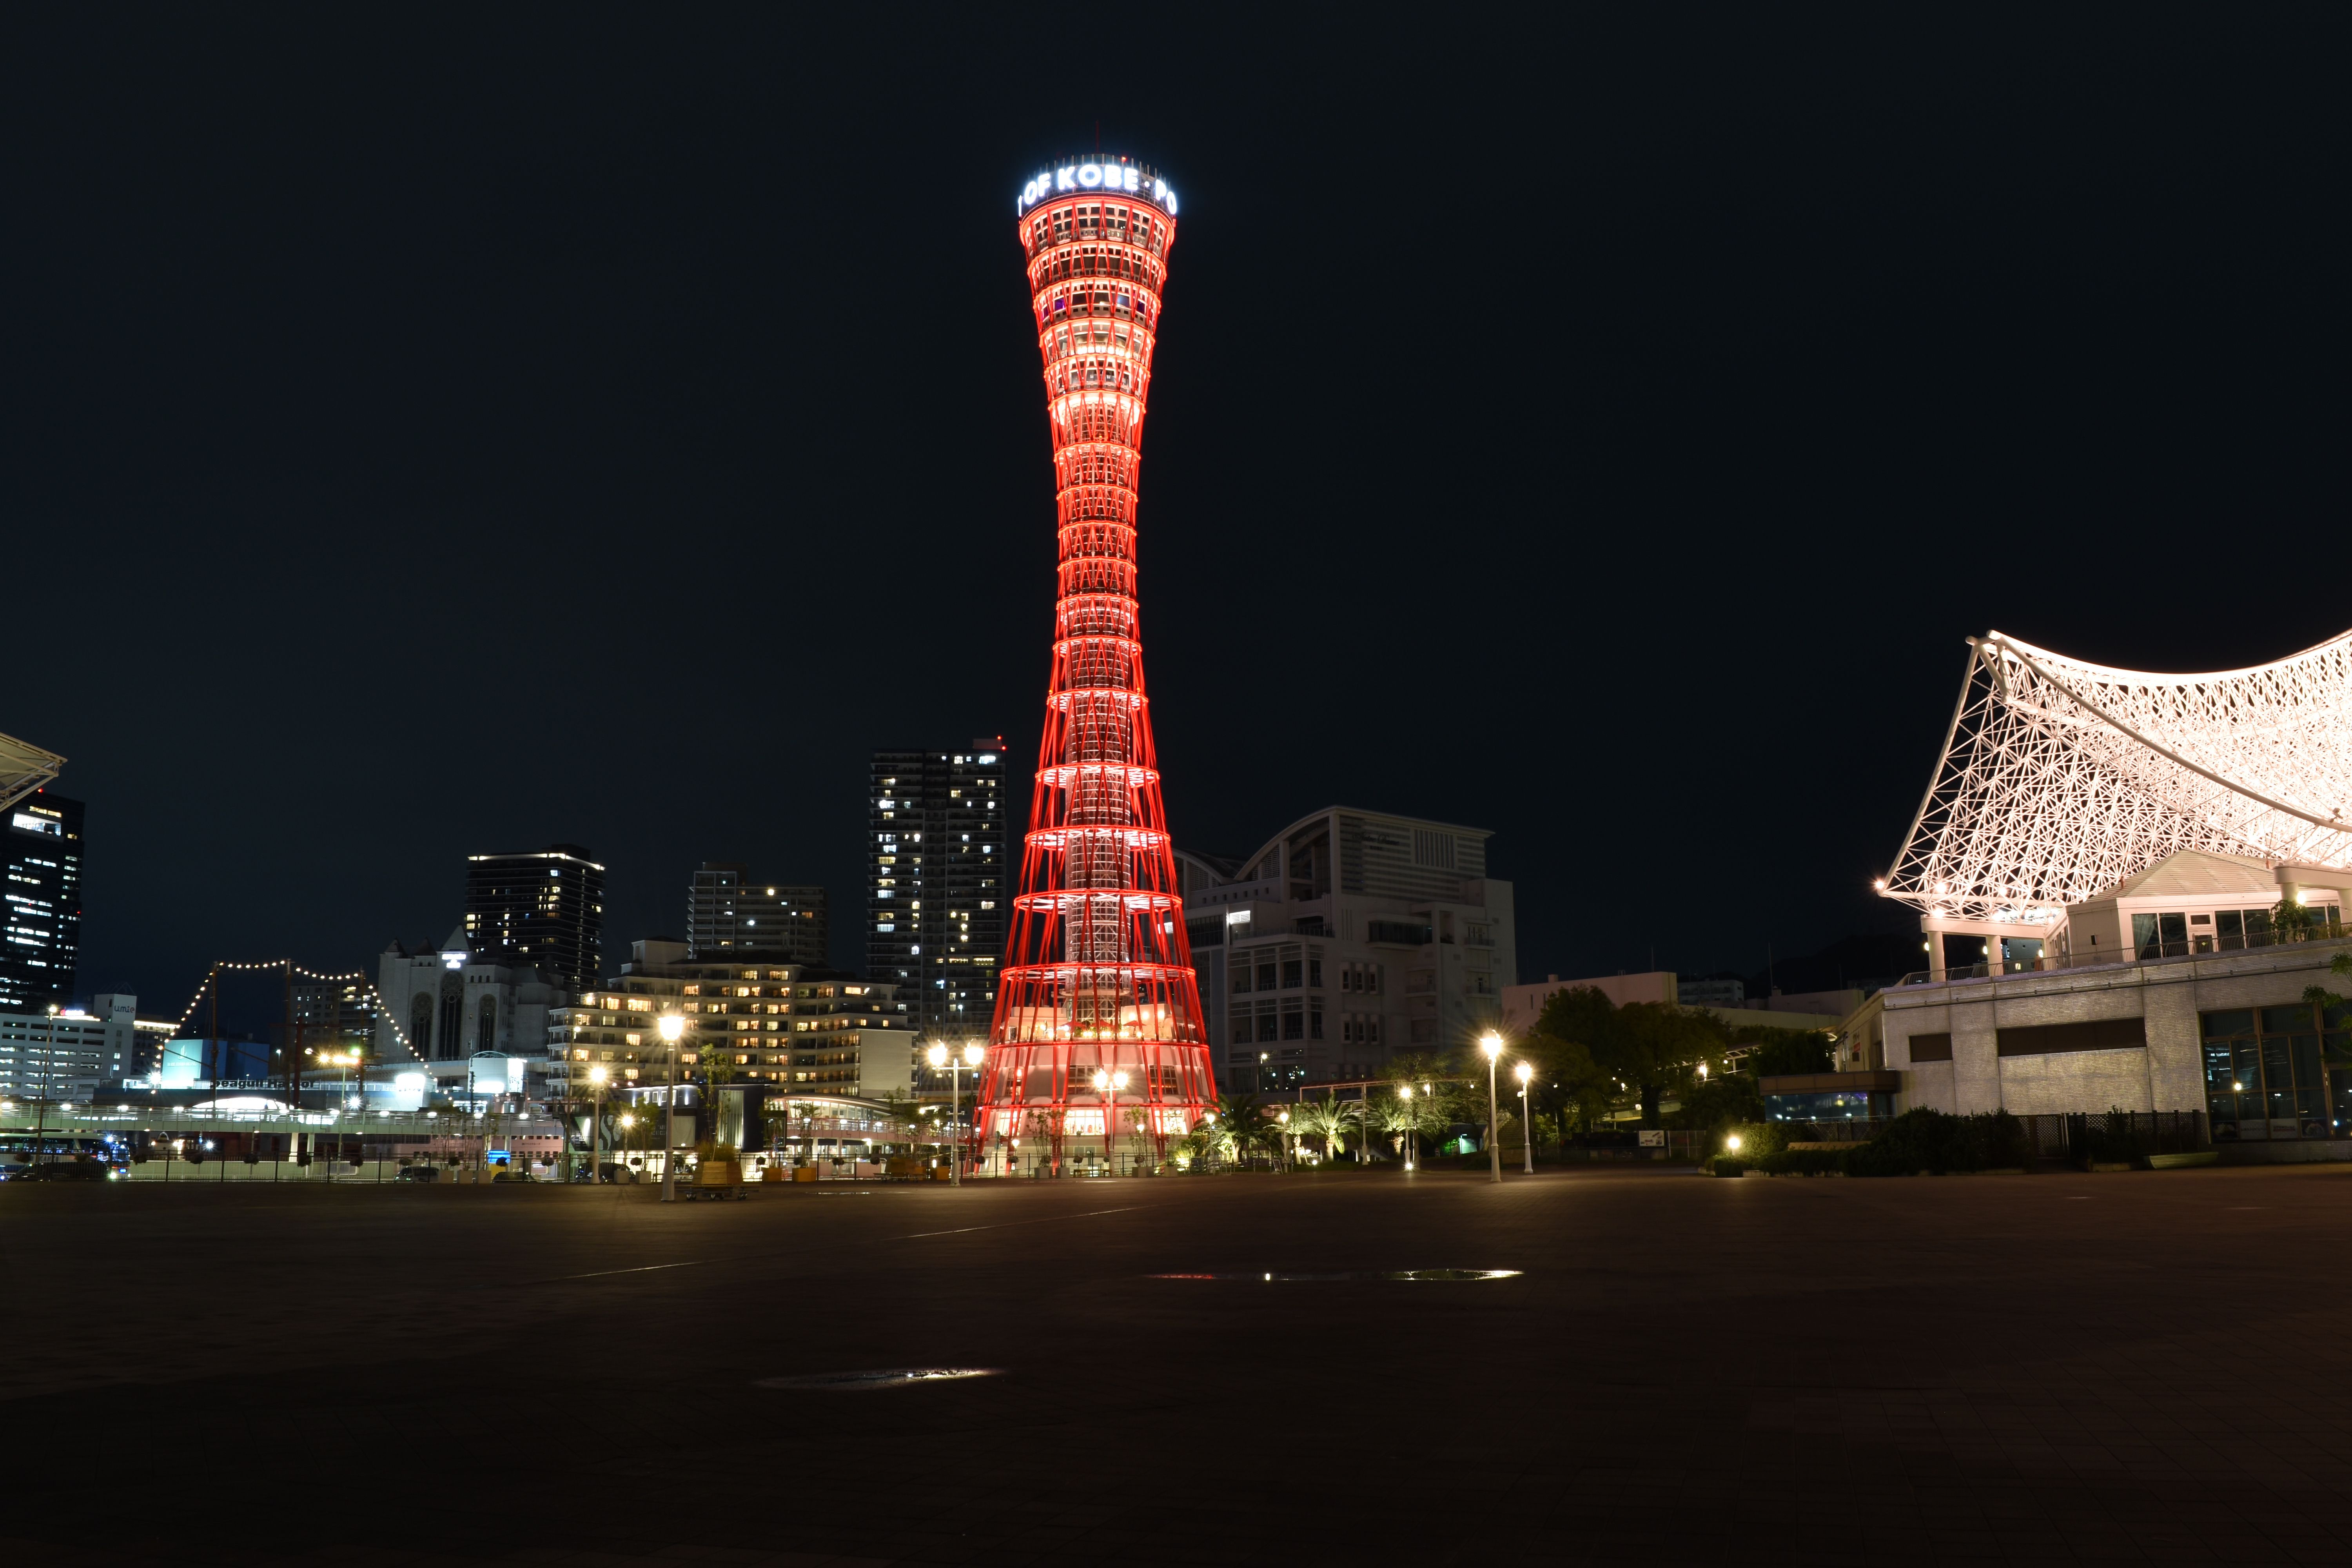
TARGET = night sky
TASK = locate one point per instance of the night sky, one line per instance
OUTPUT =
(470, 429)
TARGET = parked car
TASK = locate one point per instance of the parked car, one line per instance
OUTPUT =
(420, 1172)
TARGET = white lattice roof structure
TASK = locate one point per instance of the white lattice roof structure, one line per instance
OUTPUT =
(23, 768)
(2059, 778)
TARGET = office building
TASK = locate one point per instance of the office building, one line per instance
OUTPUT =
(68, 1056)
(939, 884)
(40, 871)
(728, 914)
(1349, 938)
(541, 908)
(789, 1028)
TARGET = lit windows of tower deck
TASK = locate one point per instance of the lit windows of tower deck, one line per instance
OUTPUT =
(542, 908)
(1097, 1042)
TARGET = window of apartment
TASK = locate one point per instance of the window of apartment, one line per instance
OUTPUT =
(1314, 974)
(1314, 1019)
(1294, 969)
(1240, 973)
(1266, 1024)
(1265, 968)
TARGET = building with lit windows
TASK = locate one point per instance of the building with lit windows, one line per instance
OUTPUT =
(543, 909)
(1349, 938)
(937, 886)
(68, 1057)
(729, 915)
(40, 908)
(784, 1026)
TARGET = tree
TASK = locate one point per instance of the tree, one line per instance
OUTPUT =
(1647, 1046)
(1326, 1119)
(1569, 1076)
(1784, 1051)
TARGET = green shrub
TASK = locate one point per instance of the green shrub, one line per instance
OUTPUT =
(1807, 1161)
(1926, 1139)
(1757, 1139)
(1727, 1165)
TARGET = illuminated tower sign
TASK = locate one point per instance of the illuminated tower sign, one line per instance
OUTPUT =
(1096, 1047)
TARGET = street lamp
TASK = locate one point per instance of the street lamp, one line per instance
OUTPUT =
(671, 1026)
(597, 1128)
(1107, 1085)
(1523, 1072)
(1492, 1044)
(1283, 1118)
(940, 1057)
(1411, 1127)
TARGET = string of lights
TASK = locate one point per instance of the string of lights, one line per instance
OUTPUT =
(288, 966)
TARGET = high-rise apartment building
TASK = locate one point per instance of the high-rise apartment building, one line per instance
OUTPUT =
(937, 883)
(40, 882)
(543, 909)
(728, 914)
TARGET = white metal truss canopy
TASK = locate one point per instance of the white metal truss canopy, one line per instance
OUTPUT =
(2059, 779)
(23, 768)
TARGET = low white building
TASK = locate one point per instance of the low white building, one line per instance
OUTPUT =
(463, 1016)
(1350, 936)
(70, 1055)
(2201, 1007)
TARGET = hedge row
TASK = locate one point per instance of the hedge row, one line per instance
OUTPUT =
(1917, 1140)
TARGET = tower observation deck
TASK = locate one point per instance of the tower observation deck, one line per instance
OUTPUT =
(1096, 1045)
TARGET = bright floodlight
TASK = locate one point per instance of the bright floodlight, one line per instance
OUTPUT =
(1404, 1092)
(1732, 1142)
(1491, 1043)
(1119, 1080)
(597, 1075)
(937, 1056)
(1102, 1080)
(671, 1026)
(972, 1052)
(1523, 1072)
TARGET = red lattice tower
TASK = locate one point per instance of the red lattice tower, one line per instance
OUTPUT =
(1098, 976)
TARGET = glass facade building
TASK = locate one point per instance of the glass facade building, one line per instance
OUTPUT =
(40, 881)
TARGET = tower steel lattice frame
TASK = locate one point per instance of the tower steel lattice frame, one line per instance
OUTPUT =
(1098, 973)
(2061, 778)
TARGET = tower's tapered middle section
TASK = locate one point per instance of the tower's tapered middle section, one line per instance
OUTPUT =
(1096, 1045)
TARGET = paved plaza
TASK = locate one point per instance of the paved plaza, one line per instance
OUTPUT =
(1999, 1369)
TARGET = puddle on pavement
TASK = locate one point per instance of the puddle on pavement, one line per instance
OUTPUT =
(889, 1377)
(1281, 1277)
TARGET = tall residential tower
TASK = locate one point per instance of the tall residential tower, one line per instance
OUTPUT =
(936, 883)
(543, 909)
(1097, 1045)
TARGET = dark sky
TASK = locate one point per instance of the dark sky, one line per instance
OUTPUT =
(476, 428)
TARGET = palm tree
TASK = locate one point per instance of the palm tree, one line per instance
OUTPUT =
(1240, 1124)
(1326, 1119)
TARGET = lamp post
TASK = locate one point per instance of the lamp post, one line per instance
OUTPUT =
(596, 1075)
(1492, 1044)
(1412, 1128)
(1523, 1072)
(671, 1026)
(41, 1116)
(1107, 1085)
(940, 1057)
(1283, 1119)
